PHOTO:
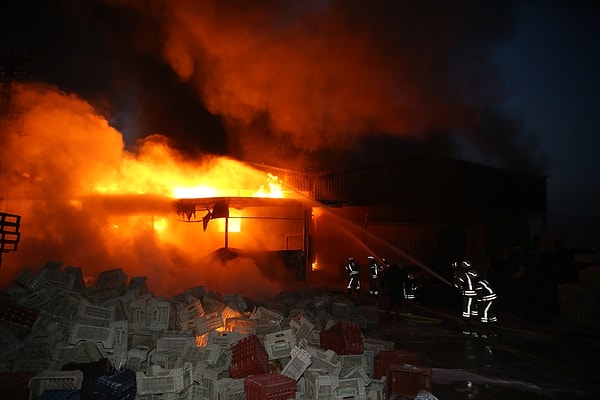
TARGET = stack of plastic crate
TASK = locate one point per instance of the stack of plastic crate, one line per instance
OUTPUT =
(279, 344)
(120, 386)
(270, 386)
(345, 337)
(320, 384)
(54, 380)
(162, 381)
(91, 372)
(230, 389)
(404, 380)
(248, 356)
(386, 358)
(299, 362)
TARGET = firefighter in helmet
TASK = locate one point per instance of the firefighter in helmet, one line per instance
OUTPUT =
(465, 283)
(411, 288)
(374, 275)
(486, 295)
(353, 276)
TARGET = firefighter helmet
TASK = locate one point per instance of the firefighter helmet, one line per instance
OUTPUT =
(350, 259)
(410, 276)
(466, 264)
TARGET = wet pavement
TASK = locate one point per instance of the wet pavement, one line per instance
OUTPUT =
(513, 360)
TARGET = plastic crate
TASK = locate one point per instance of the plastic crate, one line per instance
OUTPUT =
(320, 384)
(79, 332)
(279, 344)
(14, 385)
(37, 299)
(206, 323)
(355, 366)
(377, 345)
(342, 310)
(112, 279)
(50, 380)
(230, 389)
(301, 328)
(137, 312)
(223, 339)
(158, 380)
(137, 358)
(58, 278)
(264, 314)
(166, 360)
(187, 312)
(68, 307)
(244, 326)
(248, 356)
(176, 343)
(120, 386)
(386, 358)
(269, 387)
(86, 310)
(160, 315)
(217, 357)
(350, 389)
(29, 280)
(299, 362)
(17, 318)
(407, 380)
(376, 389)
(328, 360)
(344, 337)
(236, 301)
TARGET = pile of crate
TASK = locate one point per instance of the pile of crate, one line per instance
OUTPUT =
(116, 340)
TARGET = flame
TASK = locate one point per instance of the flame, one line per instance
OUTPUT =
(61, 174)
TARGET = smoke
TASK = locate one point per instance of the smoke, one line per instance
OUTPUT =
(298, 81)
(88, 202)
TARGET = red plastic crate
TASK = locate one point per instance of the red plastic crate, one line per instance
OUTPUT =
(17, 318)
(405, 380)
(344, 338)
(386, 358)
(248, 357)
(272, 386)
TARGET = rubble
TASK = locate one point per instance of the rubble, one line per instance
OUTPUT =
(116, 340)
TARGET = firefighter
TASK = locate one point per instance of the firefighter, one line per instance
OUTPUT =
(486, 295)
(465, 283)
(353, 276)
(374, 274)
(411, 289)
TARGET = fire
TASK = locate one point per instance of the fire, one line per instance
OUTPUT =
(89, 202)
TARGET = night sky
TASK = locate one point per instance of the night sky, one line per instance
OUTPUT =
(319, 85)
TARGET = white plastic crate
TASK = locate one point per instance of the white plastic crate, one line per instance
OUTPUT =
(166, 360)
(228, 312)
(175, 343)
(217, 357)
(29, 280)
(68, 307)
(193, 353)
(223, 339)
(82, 352)
(242, 325)
(208, 322)
(121, 329)
(230, 389)
(137, 358)
(377, 345)
(54, 380)
(160, 315)
(342, 310)
(301, 327)
(320, 384)
(325, 359)
(87, 310)
(187, 312)
(137, 312)
(376, 390)
(79, 332)
(355, 366)
(158, 380)
(350, 389)
(264, 314)
(279, 344)
(236, 301)
(299, 362)
(37, 299)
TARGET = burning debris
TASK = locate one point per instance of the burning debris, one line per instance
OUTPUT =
(114, 338)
